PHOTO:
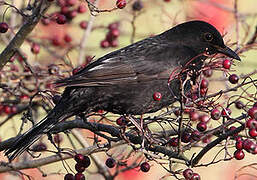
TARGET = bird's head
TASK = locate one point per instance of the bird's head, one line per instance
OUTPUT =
(201, 37)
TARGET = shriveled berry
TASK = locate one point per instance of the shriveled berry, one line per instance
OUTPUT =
(121, 121)
(226, 64)
(3, 27)
(145, 167)
(239, 154)
(188, 173)
(58, 138)
(110, 162)
(252, 112)
(39, 147)
(79, 167)
(239, 144)
(121, 4)
(69, 177)
(173, 142)
(157, 96)
(186, 137)
(215, 114)
(79, 176)
(239, 104)
(233, 78)
(201, 126)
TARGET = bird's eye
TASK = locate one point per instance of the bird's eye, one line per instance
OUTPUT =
(208, 36)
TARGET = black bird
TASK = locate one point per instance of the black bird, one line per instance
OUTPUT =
(125, 80)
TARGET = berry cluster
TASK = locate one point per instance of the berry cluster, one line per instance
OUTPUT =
(111, 37)
(83, 162)
(190, 175)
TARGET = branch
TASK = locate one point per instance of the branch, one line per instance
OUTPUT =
(22, 34)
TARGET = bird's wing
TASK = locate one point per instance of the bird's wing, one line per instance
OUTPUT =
(138, 63)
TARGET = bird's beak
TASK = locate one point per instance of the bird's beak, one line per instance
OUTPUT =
(228, 52)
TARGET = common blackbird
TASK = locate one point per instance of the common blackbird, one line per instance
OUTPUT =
(125, 80)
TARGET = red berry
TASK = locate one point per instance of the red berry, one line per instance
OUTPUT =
(114, 25)
(233, 79)
(35, 48)
(203, 91)
(226, 112)
(122, 121)
(253, 132)
(61, 19)
(72, 14)
(121, 4)
(14, 109)
(79, 158)
(69, 177)
(79, 176)
(215, 114)
(251, 123)
(207, 73)
(145, 167)
(105, 44)
(201, 126)
(7, 109)
(110, 163)
(24, 97)
(71, 2)
(226, 64)
(194, 116)
(114, 43)
(157, 96)
(82, 8)
(64, 10)
(83, 24)
(79, 168)
(239, 154)
(67, 38)
(204, 83)
(167, 0)
(204, 118)
(195, 176)
(253, 112)
(239, 144)
(3, 27)
(56, 41)
(173, 142)
(248, 145)
(188, 173)
(45, 21)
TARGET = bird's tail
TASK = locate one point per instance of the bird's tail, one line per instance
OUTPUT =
(28, 138)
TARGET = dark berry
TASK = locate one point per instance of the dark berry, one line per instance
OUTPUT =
(196, 135)
(110, 162)
(58, 138)
(61, 19)
(121, 121)
(79, 167)
(79, 176)
(204, 83)
(226, 64)
(39, 147)
(239, 104)
(35, 48)
(251, 123)
(252, 112)
(233, 78)
(253, 132)
(157, 96)
(121, 4)
(239, 154)
(186, 137)
(207, 73)
(188, 173)
(67, 38)
(145, 167)
(201, 126)
(3, 27)
(173, 142)
(226, 112)
(53, 69)
(105, 44)
(137, 5)
(69, 177)
(255, 104)
(83, 24)
(195, 176)
(215, 114)
(82, 8)
(194, 116)
(239, 145)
